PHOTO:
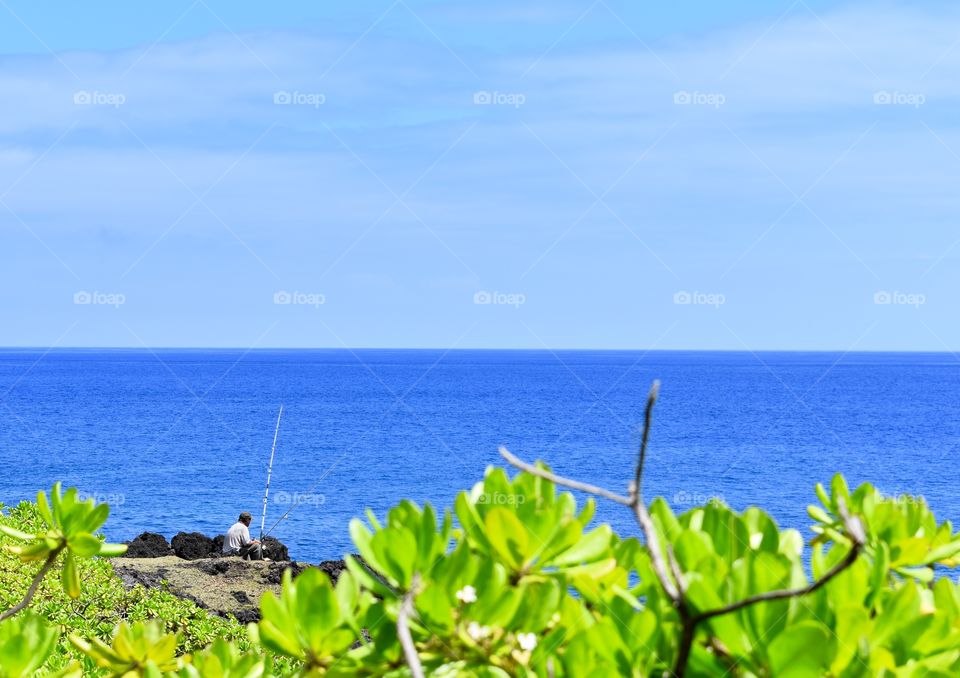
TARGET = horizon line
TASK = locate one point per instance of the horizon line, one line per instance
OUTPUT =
(50, 349)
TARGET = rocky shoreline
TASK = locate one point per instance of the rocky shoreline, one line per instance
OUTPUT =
(191, 566)
(194, 546)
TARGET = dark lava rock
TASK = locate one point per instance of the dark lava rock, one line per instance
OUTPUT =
(192, 545)
(246, 616)
(241, 597)
(274, 574)
(214, 567)
(149, 545)
(333, 568)
(274, 549)
(131, 577)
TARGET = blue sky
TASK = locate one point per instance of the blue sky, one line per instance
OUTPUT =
(698, 175)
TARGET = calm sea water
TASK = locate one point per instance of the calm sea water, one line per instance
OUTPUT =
(179, 440)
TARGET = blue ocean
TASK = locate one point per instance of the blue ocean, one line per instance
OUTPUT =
(180, 439)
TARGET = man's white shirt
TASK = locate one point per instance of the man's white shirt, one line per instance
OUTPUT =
(238, 535)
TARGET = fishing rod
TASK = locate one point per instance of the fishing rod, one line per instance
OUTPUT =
(266, 492)
(295, 504)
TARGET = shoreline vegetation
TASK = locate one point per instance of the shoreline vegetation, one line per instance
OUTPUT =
(514, 580)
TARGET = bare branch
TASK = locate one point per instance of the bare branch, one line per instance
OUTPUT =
(647, 415)
(854, 530)
(403, 630)
(665, 567)
(566, 482)
(784, 593)
(675, 569)
(656, 555)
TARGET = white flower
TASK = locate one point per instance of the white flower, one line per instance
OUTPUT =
(527, 641)
(467, 594)
(477, 632)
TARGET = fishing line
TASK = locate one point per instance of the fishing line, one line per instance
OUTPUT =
(266, 492)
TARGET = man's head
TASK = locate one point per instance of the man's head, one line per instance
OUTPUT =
(245, 518)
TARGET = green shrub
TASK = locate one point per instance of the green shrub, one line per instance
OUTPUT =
(104, 601)
(517, 580)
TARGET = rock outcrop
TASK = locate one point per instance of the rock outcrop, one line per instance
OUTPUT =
(149, 545)
(274, 549)
(193, 546)
(227, 587)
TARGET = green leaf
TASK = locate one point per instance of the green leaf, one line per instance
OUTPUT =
(943, 552)
(112, 550)
(819, 515)
(17, 534)
(97, 517)
(71, 579)
(800, 651)
(43, 506)
(395, 549)
(84, 544)
(592, 546)
(508, 536)
(822, 495)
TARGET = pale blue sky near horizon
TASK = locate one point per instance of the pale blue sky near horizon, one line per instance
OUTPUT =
(403, 173)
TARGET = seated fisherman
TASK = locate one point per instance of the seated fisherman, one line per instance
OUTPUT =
(238, 542)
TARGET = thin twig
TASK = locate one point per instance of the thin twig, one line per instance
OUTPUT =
(854, 531)
(566, 482)
(403, 629)
(647, 415)
(675, 569)
(783, 593)
(656, 555)
(34, 585)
